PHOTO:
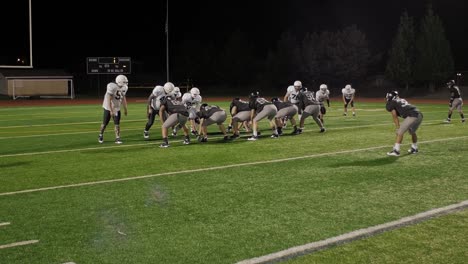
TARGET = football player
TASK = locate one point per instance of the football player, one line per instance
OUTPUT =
(240, 112)
(456, 101)
(154, 103)
(113, 99)
(211, 114)
(177, 113)
(310, 107)
(323, 94)
(284, 109)
(348, 99)
(259, 109)
(291, 96)
(399, 107)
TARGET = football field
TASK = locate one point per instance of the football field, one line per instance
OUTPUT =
(66, 198)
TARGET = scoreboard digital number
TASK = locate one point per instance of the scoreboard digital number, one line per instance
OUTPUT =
(108, 65)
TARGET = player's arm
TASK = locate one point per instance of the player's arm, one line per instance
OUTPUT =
(328, 102)
(396, 121)
(148, 104)
(109, 103)
(344, 99)
(124, 104)
(161, 113)
(286, 96)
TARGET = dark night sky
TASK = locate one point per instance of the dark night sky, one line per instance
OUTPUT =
(66, 32)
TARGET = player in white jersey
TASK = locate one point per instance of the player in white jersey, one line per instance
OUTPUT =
(323, 94)
(113, 100)
(154, 103)
(291, 96)
(348, 99)
(192, 101)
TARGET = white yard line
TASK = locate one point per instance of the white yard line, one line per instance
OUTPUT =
(4, 224)
(16, 244)
(214, 168)
(354, 235)
(68, 124)
(69, 133)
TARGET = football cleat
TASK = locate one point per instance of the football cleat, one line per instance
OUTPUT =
(146, 134)
(412, 151)
(100, 139)
(234, 136)
(463, 120)
(447, 120)
(252, 138)
(186, 141)
(345, 114)
(194, 132)
(164, 145)
(226, 138)
(118, 141)
(274, 136)
(322, 130)
(393, 153)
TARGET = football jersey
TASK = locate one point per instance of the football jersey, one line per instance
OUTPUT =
(321, 96)
(116, 96)
(292, 94)
(258, 103)
(454, 92)
(280, 104)
(348, 93)
(307, 98)
(174, 106)
(158, 92)
(240, 105)
(402, 107)
(209, 110)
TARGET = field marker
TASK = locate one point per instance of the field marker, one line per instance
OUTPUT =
(16, 244)
(4, 224)
(214, 168)
(354, 235)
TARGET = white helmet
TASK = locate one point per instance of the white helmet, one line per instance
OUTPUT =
(348, 87)
(168, 88)
(177, 92)
(194, 92)
(121, 80)
(323, 87)
(298, 84)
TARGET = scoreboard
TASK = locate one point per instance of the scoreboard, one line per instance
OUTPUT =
(108, 65)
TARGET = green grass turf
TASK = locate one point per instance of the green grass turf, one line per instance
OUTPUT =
(333, 183)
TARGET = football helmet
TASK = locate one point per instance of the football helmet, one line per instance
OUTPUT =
(177, 92)
(168, 88)
(275, 99)
(121, 80)
(323, 87)
(391, 95)
(297, 84)
(348, 87)
(254, 94)
(194, 92)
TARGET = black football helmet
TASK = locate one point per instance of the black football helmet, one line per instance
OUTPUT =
(254, 94)
(275, 99)
(391, 95)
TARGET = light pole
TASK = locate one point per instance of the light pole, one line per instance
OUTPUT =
(167, 40)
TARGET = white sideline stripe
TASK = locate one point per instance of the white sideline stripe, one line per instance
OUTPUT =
(211, 168)
(141, 144)
(66, 124)
(67, 133)
(22, 243)
(354, 235)
(4, 224)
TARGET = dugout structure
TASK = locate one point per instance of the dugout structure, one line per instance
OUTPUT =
(36, 83)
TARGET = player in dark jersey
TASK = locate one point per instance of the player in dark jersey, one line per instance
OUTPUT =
(310, 107)
(177, 113)
(261, 108)
(399, 107)
(285, 110)
(456, 101)
(240, 112)
(211, 114)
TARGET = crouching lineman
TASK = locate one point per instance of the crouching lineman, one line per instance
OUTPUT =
(310, 107)
(240, 112)
(323, 94)
(284, 110)
(177, 113)
(291, 96)
(154, 103)
(211, 114)
(113, 99)
(261, 108)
